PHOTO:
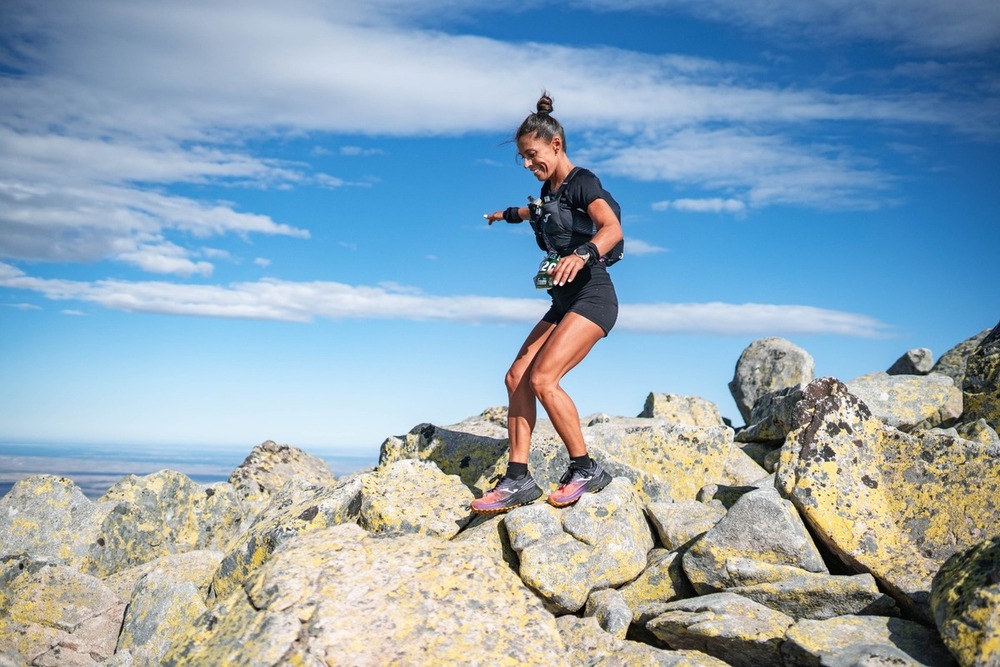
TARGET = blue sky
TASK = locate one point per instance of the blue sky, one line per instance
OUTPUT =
(227, 222)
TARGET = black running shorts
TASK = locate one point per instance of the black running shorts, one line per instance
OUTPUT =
(591, 294)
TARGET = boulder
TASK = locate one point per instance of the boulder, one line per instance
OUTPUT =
(48, 518)
(765, 366)
(589, 646)
(160, 514)
(339, 596)
(771, 417)
(863, 640)
(760, 526)
(978, 432)
(688, 410)
(952, 363)
(886, 502)
(918, 361)
(490, 533)
(662, 581)
(981, 387)
(802, 594)
(412, 496)
(474, 458)
(269, 466)
(54, 615)
(666, 462)
(163, 603)
(600, 542)
(908, 401)
(194, 563)
(965, 599)
(738, 631)
(678, 523)
(298, 508)
(613, 614)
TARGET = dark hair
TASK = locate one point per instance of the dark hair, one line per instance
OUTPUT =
(541, 123)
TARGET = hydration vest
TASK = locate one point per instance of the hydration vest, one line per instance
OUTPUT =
(561, 228)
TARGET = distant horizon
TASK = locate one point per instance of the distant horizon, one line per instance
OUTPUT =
(96, 467)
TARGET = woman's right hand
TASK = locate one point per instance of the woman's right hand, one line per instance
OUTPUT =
(495, 216)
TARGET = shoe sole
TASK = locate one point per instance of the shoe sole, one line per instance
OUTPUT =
(602, 482)
(506, 508)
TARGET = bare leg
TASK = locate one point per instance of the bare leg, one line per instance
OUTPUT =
(521, 411)
(563, 348)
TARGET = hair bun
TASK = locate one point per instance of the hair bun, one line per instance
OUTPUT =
(544, 105)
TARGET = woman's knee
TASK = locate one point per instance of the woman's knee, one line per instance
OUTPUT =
(513, 379)
(542, 384)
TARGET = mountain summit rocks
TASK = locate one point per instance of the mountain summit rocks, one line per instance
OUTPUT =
(849, 523)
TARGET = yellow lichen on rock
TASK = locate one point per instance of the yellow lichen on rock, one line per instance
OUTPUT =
(890, 503)
(965, 599)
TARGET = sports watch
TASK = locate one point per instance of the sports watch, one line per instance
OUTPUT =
(583, 252)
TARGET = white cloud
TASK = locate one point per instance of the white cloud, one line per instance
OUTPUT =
(634, 246)
(355, 151)
(271, 299)
(764, 170)
(90, 141)
(746, 319)
(710, 205)
(957, 26)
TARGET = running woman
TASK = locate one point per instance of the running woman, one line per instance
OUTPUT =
(581, 233)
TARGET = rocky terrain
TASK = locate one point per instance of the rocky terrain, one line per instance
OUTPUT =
(848, 523)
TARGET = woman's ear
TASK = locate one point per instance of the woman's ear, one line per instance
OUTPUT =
(556, 144)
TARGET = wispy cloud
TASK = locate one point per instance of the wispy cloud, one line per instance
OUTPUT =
(282, 300)
(958, 26)
(91, 143)
(711, 205)
(635, 246)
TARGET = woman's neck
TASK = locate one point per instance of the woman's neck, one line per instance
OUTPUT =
(559, 177)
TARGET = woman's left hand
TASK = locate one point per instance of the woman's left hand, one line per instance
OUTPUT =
(567, 268)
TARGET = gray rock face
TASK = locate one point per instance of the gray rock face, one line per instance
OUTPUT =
(767, 365)
(908, 401)
(886, 502)
(738, 631)
(413, 497)
(339, 596)
(918, 361)
(771, 416)
(760, 526)
(965, 598)
(688, 410)
(601, 542)
(270, 466)
(846, 639)
(952, 363)
(50, 518)
(54, 615)
(981, 387)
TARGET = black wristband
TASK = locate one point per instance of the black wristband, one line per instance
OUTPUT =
(595, 254)
(512, 214)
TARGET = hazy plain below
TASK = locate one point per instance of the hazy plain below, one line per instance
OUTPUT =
(95, 467)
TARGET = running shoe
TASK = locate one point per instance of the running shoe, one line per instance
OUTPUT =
(506, 495)
(577, 481)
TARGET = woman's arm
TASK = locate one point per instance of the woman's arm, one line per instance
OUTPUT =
(496, 216)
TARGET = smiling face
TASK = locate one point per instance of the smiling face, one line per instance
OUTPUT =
(540, 157)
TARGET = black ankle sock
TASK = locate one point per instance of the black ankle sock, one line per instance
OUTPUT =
(580, 462)
(517, 470)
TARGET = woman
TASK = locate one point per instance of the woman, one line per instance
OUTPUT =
(575, 224)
